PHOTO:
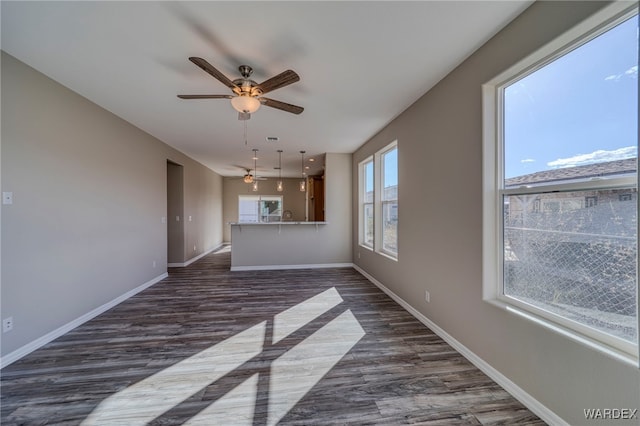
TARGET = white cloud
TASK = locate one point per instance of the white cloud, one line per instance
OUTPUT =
(528, 160)
(633, 71)
(598, 156)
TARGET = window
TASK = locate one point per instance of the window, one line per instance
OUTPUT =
(560, 155)
(366, 214)
(389, 199)
(378, 178)
(590, 201)
(259, 208)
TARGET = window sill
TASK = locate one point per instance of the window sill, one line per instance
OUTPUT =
(387, 255)
(607, 350)
(366, 247)
(381, 253)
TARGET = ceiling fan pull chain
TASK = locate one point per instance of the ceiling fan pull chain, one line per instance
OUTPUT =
(245, 132)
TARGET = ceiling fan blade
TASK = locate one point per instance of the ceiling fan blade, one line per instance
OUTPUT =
(281, 105)
(283, 79)
(205, 96)
(211, 70)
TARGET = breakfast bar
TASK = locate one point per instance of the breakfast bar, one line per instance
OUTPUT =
(280, 245)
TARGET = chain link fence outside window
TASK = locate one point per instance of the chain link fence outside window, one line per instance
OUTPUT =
(574, 254)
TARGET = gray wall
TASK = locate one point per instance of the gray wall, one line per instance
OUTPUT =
(175, 213)
(440, 232)
(202, 207)
(89, 197)
(264, 245)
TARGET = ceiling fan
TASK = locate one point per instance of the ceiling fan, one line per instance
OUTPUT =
(247, 94)
(249, 178)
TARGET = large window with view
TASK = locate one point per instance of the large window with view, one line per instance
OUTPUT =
(561, 185)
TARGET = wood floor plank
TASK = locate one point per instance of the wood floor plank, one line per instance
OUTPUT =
(295, 347)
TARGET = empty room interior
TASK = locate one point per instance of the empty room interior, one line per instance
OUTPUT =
(368, 212)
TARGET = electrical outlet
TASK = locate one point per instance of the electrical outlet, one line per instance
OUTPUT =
(7, 198)
(427, 296)
(7, 324)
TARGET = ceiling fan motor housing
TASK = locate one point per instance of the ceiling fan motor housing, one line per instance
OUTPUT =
(246, 87)
(245, 70)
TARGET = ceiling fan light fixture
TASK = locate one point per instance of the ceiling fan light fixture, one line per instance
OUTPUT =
(248, 178)
(245, 104)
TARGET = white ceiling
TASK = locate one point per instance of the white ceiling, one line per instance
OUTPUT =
(361, 64)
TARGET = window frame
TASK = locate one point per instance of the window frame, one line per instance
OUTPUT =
(362, 179)
(376, 160)
(494, 190)
(379, 157)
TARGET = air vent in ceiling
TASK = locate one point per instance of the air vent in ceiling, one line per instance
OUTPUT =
(272, 139)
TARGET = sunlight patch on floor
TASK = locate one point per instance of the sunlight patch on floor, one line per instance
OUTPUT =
(144, 401)
(298, 316)
(290, 378)
(235, 408)
(299, 369)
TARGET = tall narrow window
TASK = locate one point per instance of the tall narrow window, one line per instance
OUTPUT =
(378, 217)
(367, 209)
(389, 160)
(559, 169)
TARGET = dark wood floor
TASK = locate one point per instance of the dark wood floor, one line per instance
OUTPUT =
(213, 347)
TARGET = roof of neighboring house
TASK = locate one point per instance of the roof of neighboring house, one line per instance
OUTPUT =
(609, 168)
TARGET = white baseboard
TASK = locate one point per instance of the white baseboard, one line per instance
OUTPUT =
(278, 267)
(517, 392)
(193, 259)
(41, 341)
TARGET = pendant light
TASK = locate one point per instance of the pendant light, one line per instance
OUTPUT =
(279, 185)
(303, 182)
(255, 170)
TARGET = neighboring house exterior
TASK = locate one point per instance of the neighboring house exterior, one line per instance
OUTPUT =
(588, 212)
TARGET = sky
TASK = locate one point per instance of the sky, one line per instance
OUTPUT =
(390, 167)
(580, 109)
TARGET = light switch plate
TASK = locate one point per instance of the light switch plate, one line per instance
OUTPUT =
(7, 198)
